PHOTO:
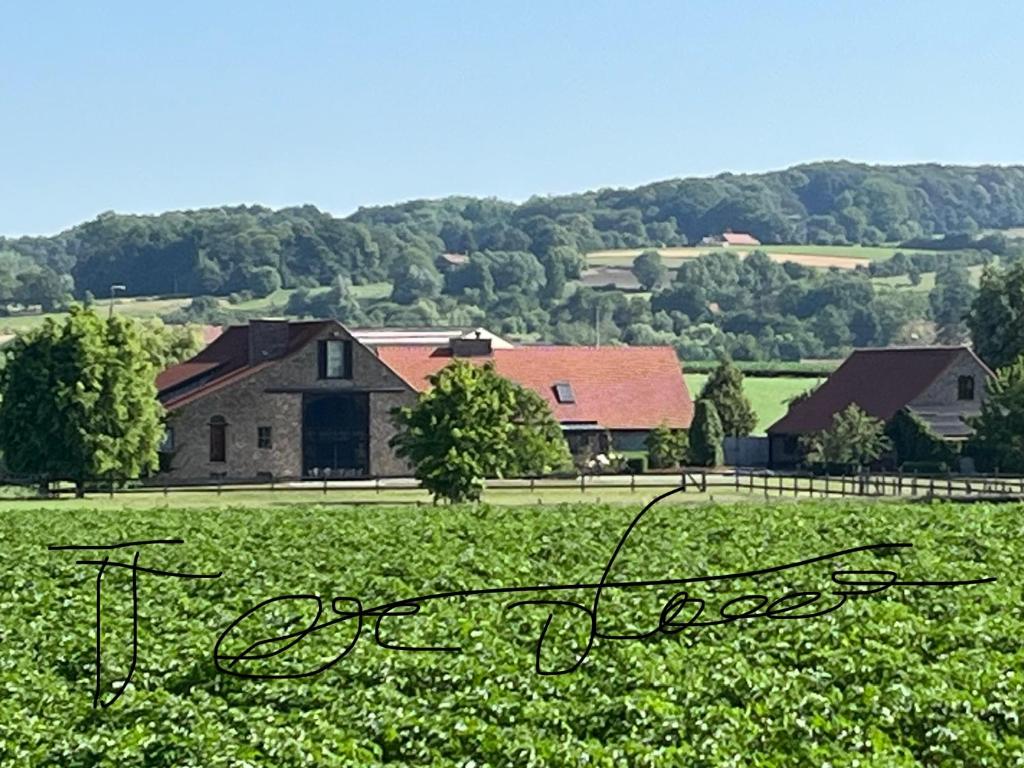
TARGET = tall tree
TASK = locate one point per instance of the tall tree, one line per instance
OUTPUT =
(724, 388)
(706, 435)
(998, 442)
(996, 319)
(950, 302)
(473, 424)
(649, 270)
(79, 401)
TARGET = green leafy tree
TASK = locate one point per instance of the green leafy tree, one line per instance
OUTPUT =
(724, 388)
(854, 438)
(950, 301)
(79, 401)
(414, 282)
(649, 270)
(667, 447)
(996, 319)
(706, 435)
(913, 440)
(998, 442)
(473, 424)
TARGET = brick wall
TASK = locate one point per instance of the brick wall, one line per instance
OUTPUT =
(263, 399)
(943, 391)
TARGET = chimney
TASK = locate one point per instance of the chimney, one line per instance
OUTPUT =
(268, 339)
(470, 347)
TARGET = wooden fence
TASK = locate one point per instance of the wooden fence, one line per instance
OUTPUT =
(763, 484)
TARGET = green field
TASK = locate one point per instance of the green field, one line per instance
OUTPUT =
(141, 307)
(907, 676)
(144, 307)
(902, 282)
(674, 256)
(767, 394)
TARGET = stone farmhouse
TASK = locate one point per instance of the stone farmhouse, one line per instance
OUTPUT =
(944, 386)
(283, 399)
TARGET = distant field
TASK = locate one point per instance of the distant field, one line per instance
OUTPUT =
(155, 307)
(768, 395)
(842, 256)
(902, 282)
(141, 307)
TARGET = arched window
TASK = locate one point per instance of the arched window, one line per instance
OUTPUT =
(965, 388)
(218, 439)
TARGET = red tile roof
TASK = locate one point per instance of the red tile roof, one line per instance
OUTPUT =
(224, 361)
(880, 381)
(616, 387)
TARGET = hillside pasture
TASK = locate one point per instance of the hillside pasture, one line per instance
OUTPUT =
(768, 394)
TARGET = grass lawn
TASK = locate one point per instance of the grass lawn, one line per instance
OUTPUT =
(768, 394)
(356, 499)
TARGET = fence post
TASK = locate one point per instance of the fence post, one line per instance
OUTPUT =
(583, 482)
(826, 484)
(218, 486)
(632, 482)
(703, 481)
(111, 489)
(325, 485)
(376, 484)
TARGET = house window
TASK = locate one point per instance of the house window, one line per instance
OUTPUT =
(564, 393)
(335, 359)
(167, 444)
(218, 439)
(965, 388)
(263, 437)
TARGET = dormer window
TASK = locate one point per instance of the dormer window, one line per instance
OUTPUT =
(564, 393)
(965, 388)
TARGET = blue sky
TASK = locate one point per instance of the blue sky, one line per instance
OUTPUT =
(144, 107)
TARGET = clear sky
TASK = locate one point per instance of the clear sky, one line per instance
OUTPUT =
(143, 106)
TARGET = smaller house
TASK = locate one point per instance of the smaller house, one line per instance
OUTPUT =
(447, 262)
(944, 386)
(733, 239)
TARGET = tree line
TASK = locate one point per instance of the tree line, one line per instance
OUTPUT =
(253, 248)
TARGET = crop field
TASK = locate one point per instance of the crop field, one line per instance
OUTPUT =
(841, 256)
(909, 675)
(768, 394)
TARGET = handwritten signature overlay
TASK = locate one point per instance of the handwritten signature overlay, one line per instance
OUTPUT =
(680, 612)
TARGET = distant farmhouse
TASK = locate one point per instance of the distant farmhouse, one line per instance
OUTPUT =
(735, 239)
(943, 386)
(281, 399)
(447, 262)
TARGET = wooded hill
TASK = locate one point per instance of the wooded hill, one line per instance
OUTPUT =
(220, 250)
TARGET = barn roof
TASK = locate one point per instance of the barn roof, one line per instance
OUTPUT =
(879, 381)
